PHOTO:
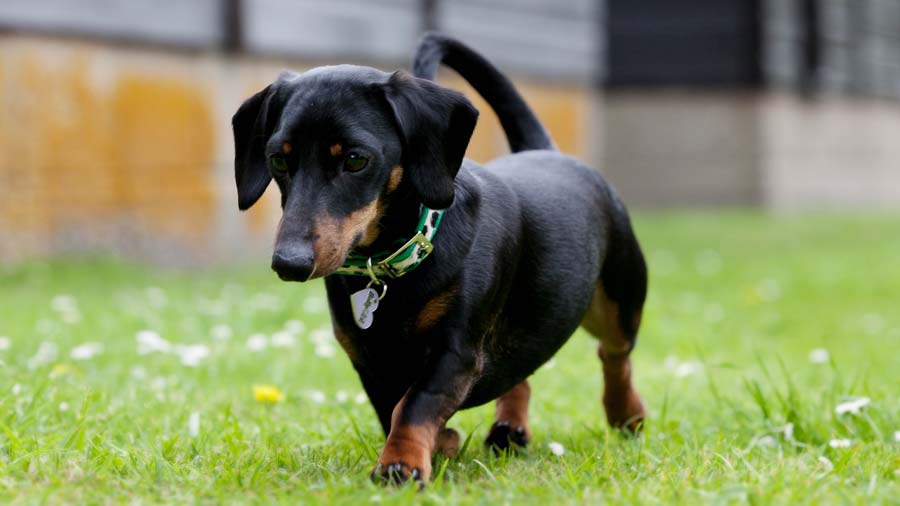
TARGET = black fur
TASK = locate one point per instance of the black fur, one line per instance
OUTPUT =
(521, 247)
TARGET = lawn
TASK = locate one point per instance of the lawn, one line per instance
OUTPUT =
(769, 360)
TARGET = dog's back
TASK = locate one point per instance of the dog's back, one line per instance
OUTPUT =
(572, 219)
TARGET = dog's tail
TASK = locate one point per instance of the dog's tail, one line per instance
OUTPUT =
(523, 130)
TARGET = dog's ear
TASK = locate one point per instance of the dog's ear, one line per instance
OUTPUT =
(436, 124)
(251, 131)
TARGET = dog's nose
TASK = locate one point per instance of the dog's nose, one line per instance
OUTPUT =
(293, 264)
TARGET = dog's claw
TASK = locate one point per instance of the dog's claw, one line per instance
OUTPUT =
(396, 473)
(503, 437)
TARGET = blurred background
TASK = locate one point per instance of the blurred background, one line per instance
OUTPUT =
(115, 131)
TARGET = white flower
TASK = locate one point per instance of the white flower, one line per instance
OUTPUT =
(321, 335)
(826, 464)
(789, 431)
(45, 354)
(325, 350)
(158, 383)
(341, 396)
(5, 343)
(295, 327)
(556, 448)
(71, 317)
(360, 398)
(67, 307)
(819, 356)
(282, 339)
(839, 443)
(138, 372)
(682, 369)
(149, 341)
(86, 351)
(257, 342)
(16, 389)
(156, 296)
(63, 406)
(63, 303)
(314, 305)
(853, 407)
(194, 424)
(221, 332)
(766, 441)
(897, 436)
(191, 354)
(316, 396)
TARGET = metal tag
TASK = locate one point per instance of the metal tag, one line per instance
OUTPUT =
(364, 303)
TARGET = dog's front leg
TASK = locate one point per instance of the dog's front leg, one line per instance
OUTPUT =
(419, 417)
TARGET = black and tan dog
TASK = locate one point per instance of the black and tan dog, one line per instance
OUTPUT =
(529, 247)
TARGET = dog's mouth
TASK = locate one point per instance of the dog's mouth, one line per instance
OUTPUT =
(332, 240)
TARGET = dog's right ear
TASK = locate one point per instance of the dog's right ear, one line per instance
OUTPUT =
(251, 125)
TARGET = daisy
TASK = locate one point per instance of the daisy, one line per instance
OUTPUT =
(86, 351)
(819, 356)
(149, 341)
(294, 327)
(191, 354)
(556, 448)
(839, 443)
(282, 339)
(853, 407)
(221, 332)
(257, 342)
(194, 424)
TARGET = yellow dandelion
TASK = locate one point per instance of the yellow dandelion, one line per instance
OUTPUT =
(267, 394)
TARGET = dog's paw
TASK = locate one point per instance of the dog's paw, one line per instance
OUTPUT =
(397, 473)
(448, 442)
(625, 411)
(503, 437)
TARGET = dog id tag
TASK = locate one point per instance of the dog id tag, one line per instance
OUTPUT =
(364, 303)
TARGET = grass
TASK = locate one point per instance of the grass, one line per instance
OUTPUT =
(737, 303)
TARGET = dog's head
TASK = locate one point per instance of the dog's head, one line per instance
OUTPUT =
(337, 141)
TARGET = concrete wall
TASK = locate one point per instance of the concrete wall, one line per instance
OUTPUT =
(779, 151)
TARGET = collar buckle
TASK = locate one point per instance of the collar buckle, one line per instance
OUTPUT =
(425, 249)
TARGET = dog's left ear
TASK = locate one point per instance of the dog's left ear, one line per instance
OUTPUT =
(436, 124)
(250, 125)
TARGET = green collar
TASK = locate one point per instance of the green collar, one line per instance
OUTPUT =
(405, 258)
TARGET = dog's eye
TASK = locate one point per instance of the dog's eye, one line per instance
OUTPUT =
(279, 165)
(355, 162)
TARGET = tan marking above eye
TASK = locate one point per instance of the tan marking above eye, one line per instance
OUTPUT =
(395, 178)
(286, 148)
(336, 150)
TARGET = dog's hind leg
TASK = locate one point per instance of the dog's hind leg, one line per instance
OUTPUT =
(511, 426)
(614, 317)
